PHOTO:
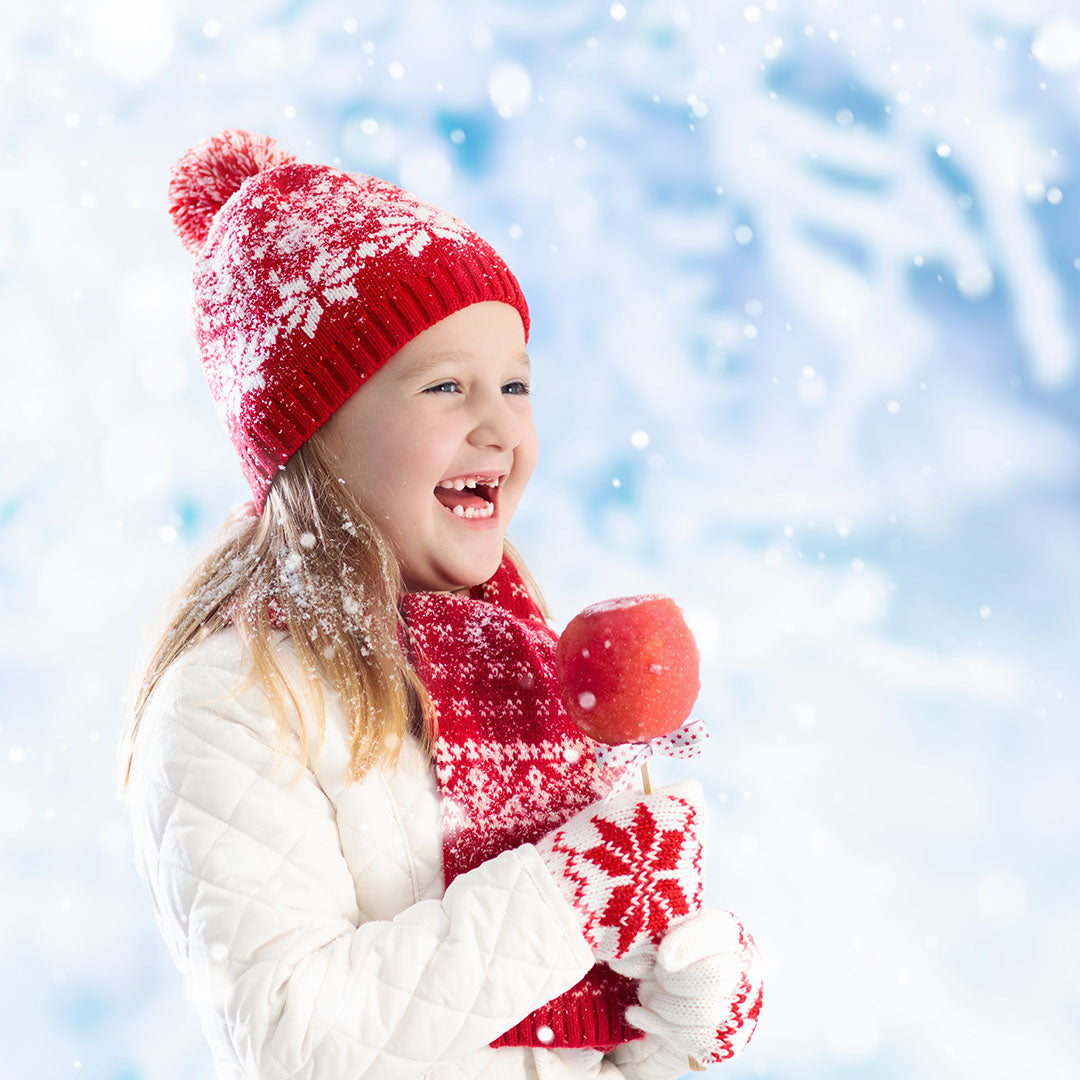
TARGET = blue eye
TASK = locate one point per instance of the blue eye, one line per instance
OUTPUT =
(523, 387)
(436, 389)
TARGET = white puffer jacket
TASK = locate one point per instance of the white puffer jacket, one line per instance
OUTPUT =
(312, 923)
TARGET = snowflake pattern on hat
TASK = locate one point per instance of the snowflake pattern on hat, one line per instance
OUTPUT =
(300, 295)
(415, 228)
(297, 251)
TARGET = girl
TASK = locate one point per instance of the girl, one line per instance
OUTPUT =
(374, 843)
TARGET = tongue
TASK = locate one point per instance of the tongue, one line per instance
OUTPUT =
(451, 497)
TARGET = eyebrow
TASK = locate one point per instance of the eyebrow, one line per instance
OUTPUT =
(437, 359)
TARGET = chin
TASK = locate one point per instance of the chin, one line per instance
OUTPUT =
(449, 579)
(480, 570)
(468, 578)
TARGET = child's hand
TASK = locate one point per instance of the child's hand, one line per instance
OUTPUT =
(704, 992)
(631, 866)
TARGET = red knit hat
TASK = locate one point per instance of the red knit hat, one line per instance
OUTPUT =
(307, 280)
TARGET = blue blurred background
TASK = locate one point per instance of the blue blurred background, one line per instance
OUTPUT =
(803, 277)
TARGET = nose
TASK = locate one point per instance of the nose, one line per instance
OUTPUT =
(497, 423)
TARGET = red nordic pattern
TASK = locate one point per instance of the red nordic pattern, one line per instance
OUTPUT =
(511, 765)
(632, 881)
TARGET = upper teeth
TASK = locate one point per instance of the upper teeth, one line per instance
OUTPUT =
(471, 482)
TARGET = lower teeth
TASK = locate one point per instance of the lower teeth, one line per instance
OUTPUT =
(475, 512)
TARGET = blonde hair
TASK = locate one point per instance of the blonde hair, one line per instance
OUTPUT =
(336, 580)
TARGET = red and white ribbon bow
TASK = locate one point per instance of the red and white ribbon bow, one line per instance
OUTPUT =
(684, 742)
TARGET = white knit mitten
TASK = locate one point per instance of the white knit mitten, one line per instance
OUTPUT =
(704, 992)
(630, 866)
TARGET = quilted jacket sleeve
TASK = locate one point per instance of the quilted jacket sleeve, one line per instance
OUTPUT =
(650, 1059)
(258, 906)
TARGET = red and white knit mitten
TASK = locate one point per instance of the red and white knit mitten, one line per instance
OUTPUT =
(704, 992)
(630, 866)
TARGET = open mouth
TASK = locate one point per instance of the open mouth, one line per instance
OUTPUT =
(476, 498)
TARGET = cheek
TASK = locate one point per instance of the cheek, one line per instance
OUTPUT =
(528, 451)
(377, 462)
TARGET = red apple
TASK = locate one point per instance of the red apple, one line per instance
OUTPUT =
(628, 669)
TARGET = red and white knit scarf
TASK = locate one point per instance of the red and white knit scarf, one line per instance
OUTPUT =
(511, 766)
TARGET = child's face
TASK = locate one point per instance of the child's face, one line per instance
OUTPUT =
(424, 418)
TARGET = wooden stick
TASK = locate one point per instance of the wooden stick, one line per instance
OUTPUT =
(647, 785)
